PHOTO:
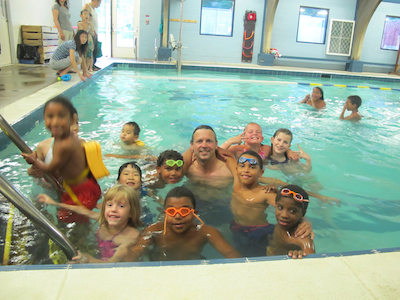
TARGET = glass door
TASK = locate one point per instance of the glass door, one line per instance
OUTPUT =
(104, 17)
(125, 28)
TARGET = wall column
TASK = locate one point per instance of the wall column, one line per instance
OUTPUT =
(164, 53)
(365, 11)
(264, 58)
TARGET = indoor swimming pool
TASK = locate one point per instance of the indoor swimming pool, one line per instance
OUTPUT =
(358, 163)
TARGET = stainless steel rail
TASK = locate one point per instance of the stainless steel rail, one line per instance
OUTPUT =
(31, 212)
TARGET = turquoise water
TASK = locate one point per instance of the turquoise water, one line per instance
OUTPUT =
(355, 162)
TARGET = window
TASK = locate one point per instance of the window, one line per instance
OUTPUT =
(217, 17)
(312, 25)
(391, 33)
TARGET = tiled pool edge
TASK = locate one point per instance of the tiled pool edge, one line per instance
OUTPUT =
(192, 262)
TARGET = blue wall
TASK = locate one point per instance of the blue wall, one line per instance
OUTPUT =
(207, 48)
(228, 49)
(149, 32)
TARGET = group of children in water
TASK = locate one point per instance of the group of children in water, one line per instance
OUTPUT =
(181, 234)
(316, 100)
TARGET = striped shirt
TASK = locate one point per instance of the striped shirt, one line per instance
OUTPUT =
(62, 51)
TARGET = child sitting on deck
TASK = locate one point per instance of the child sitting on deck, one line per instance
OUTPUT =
(69, 159)
(250, 228)
(253, 138)
(352, 104)
(178, 237)
(291, 206)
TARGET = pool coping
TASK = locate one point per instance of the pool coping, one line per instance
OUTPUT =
(191, 262)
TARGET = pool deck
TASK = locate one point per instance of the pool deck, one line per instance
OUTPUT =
(372, 274)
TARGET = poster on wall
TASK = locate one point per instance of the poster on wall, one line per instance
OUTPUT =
(248, 38)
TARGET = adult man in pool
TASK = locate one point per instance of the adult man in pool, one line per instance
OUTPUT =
(206, 168)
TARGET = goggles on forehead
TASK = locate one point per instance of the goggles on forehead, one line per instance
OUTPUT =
(251, 161)
(171, 162)
(296, 196)
(183, 212)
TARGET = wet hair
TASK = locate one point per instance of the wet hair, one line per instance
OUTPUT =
(251, 123)
(65, 3)
(133, 165)
(168, 154)
(179, 192)
(64, 102)
(255, 155)
(322, 93)
(285, 131)
(136, 129)
(81, 48)
(203, 127)
(298, 190)
(118, 192)
(354, 99)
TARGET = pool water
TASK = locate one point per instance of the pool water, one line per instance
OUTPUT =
(357, 163)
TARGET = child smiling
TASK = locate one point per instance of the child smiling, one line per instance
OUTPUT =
(178, 237)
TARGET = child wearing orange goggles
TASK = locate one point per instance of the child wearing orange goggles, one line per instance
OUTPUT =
(179, 237)
(291, 206)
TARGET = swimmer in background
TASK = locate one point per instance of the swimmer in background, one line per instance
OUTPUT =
(291, 206)
(296, 171)
(178, 237)
(253, 138)
(352, 104)
(316, 99)
(69, 159)
(130, 136)
(250, 228)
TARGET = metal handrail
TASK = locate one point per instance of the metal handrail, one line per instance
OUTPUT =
(16, 139)
(31, 212)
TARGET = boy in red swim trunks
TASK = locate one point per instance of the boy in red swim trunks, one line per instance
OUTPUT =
(69, 160)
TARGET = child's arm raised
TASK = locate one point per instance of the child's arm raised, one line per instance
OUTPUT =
(75, 208)
(303, 155)
(216, 239)
(237, 140)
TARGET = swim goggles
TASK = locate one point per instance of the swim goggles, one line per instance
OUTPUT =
(183, 211)
(251, 161)
(296, 196)
(171, 162)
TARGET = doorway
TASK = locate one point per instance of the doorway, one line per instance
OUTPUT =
(119, 27)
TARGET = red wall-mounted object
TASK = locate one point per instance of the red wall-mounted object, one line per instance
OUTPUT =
(251, 17)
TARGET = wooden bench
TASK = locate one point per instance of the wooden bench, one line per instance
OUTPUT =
(45, 37)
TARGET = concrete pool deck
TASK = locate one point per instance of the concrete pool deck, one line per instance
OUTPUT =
(338, 276)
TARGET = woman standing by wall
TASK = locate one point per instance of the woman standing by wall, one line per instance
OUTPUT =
(61, 17)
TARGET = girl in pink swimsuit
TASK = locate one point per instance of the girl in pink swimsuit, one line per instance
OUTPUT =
(119, 222)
